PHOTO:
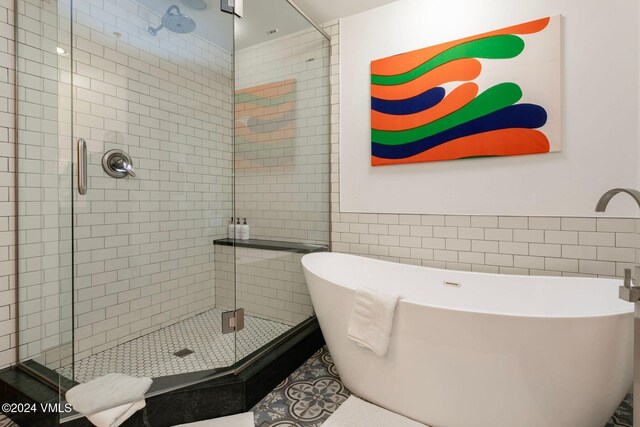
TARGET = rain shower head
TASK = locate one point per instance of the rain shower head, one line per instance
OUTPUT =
(174, 21)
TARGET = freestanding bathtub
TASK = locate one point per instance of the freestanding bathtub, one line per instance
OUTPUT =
(481, 350)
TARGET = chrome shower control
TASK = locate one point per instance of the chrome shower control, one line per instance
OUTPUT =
(117, 164)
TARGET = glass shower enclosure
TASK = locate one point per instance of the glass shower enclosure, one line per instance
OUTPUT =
(146, 127)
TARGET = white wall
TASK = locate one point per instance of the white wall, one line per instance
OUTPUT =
(600, 113)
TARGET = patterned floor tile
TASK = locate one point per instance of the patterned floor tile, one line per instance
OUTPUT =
(306, 398)
(152, 355)
(314, 391)
(624, 414)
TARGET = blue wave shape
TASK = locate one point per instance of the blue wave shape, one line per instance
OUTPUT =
(528, 116)
(413, 105)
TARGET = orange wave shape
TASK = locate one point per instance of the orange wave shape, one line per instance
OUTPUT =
(458, 98)
(503, 142)
(263, 112)
(269, 90)
(458, 70)
(404, 62)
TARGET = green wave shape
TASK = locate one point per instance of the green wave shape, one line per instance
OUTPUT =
(265, 102)
(493, 99)
(494, 47)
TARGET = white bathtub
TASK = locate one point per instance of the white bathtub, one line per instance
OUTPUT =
(498, 351)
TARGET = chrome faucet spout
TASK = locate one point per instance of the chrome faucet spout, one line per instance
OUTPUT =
(606, 197)
(629, 292)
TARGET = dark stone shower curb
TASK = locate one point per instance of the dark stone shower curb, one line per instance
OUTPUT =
(231, 394)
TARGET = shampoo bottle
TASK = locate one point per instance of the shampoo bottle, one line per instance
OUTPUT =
(244, 230)
(236, 234)
(230, 229)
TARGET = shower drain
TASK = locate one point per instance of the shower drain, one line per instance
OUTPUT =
(183, 353)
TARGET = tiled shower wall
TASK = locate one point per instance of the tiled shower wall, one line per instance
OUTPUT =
(495, 244)
(7, 190)
(145, 256)
(282, 183)
(44, 180)
(268, 284)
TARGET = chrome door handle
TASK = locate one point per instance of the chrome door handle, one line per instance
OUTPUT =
(82, 166)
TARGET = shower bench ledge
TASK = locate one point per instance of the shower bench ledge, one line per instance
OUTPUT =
(273, 245)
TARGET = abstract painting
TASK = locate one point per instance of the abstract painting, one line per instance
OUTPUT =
(493, 94)
(265, 126)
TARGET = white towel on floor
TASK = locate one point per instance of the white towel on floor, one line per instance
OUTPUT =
(240, 420)
(358, 413)
(110, 398)
(372, 319)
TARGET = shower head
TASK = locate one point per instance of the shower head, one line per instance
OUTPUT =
(174, 21)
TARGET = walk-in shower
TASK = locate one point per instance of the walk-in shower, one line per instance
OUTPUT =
(134, 150)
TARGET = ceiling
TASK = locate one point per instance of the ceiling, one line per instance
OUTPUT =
(323, 11)
(260, 18)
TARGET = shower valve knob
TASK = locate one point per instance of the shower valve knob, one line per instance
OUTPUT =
(121, 164)
(118, 164)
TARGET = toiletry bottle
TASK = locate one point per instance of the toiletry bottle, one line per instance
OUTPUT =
(230, 229)
(236, 234)
(244, 230)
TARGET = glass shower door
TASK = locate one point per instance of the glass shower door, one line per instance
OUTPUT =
(281, 152)
(43, 168)
(152, 116)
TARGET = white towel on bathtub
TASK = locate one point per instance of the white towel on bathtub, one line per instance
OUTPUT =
(372, 319)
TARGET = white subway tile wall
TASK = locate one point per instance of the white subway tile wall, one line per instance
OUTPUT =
(7, 190)
(145, 256)
(44, 183)
(282, 184)
(556, 246)
(270, 284)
